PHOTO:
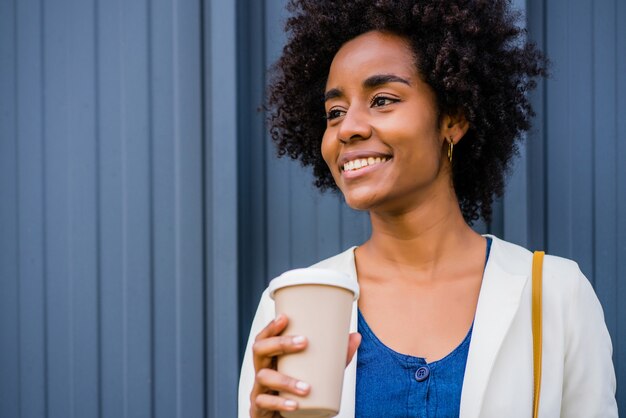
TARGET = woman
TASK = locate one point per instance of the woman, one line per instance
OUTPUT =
(424, 102)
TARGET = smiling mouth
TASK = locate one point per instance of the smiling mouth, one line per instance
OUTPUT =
(360, 163)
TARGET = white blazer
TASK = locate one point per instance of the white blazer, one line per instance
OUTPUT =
(578, 378)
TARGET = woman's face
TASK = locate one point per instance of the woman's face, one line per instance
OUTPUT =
(380, 112)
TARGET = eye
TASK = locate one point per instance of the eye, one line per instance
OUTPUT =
(379, 101)
(333, 114)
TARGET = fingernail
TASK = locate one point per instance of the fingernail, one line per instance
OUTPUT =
(302, 386)
(290, 404)
(279, 317)
(298, 340)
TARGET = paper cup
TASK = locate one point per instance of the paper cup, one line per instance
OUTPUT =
(318, 303)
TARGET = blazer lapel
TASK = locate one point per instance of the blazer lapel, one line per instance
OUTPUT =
(498, 303)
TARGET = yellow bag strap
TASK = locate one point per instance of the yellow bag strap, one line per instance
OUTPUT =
(536, 324)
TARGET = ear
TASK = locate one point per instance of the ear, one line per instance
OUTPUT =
(454, 126)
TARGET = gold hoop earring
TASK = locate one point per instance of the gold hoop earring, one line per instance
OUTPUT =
(450, 148)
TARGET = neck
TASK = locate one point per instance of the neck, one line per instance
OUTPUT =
(421, 237)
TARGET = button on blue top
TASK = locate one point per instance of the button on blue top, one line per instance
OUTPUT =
(394, 385)
(422, 373)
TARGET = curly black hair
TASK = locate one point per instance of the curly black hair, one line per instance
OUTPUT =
(472, 53)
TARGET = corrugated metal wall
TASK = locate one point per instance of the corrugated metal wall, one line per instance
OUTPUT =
(221, 230)
(101, 209)
(142, 210)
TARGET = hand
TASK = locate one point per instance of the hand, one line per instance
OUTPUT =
(264, 399)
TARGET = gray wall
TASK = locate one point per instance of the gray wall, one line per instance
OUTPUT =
(142, 209)
(102, 252)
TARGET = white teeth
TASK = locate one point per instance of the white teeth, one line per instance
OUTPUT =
(356, 164)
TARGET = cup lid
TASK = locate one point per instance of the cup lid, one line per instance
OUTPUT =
(314, 276)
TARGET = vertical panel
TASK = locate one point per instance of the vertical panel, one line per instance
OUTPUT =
(189, 211)
(279, 198)
(496, 226)
(620, 190)
(570, 134)
(221, 212)
(605, 162)
(164, 171)
(303, 219)
(536, 139)
(82, 188)
(279, 212)
(30, 164)
(124, 150)
(580, 140)
(136, 184)
(111, 152)
(59, 308)
(71, 224)
(9, 270)
(176, 153)
(558, 133)
(251, 167)
(515, 200)
(132, 101)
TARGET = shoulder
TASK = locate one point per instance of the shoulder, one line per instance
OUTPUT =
(343, 262)
(577, 347)
(564, 285)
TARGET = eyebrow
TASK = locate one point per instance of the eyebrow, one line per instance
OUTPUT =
(369, 83)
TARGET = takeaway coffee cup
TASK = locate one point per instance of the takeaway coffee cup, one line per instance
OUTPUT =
(318, 303)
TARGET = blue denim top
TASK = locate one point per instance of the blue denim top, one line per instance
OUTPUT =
(394, 385)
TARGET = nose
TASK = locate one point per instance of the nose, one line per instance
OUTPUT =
(354, 125)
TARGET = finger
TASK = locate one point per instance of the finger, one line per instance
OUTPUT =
(273, 380)
(263, 350)
(274, 403)
(353, 345)
(275, 327)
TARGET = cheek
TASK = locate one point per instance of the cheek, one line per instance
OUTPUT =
(329, 151)
(424, 156)
(416, 148)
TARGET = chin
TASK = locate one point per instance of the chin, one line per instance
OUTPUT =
(357, 206)
(361, 201)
